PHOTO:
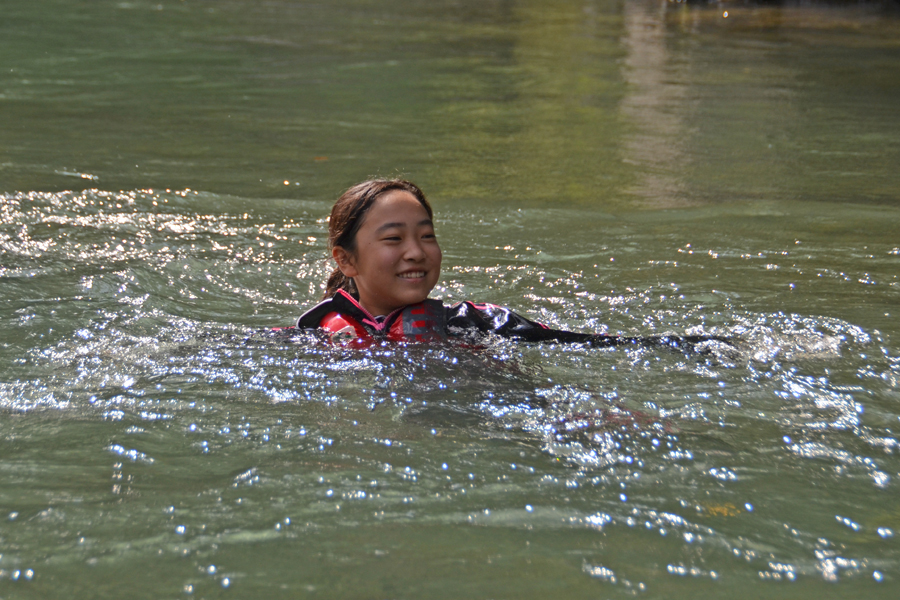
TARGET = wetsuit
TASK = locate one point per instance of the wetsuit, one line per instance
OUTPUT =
(343, 319)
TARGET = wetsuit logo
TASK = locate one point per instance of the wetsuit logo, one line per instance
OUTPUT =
(424, 322)
(344, 335)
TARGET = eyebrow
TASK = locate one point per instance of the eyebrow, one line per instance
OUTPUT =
(392, 225)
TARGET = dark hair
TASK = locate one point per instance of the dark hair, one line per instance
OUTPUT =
(348, 214)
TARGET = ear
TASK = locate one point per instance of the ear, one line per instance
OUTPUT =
(344, 261)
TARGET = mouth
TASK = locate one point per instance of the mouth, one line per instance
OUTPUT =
(412, 275)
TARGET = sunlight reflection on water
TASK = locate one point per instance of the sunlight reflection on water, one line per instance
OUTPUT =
(634, 168)
(150, 340)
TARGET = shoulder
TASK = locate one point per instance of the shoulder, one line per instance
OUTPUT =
(486, 317)
(482, 310)
(341, 303)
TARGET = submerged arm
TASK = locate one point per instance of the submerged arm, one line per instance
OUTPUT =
(487, 318)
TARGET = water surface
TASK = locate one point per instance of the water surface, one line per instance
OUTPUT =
(165, 173)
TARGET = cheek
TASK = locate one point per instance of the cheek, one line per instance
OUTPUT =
(379, 258)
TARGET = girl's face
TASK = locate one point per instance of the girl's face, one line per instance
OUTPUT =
(397, 259)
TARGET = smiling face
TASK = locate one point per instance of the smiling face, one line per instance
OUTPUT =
(397, 259)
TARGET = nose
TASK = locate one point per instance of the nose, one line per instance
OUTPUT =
(413, 251)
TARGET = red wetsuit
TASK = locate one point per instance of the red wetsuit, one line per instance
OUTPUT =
(343, 319)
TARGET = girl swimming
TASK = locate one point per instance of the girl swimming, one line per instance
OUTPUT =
(381, 236)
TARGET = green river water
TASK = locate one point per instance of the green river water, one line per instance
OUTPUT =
(635, 167)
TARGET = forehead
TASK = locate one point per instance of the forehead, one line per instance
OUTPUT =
(396, 206)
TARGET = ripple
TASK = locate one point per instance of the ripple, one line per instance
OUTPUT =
(137, 349)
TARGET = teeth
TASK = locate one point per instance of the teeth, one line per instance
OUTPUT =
(412, 275)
